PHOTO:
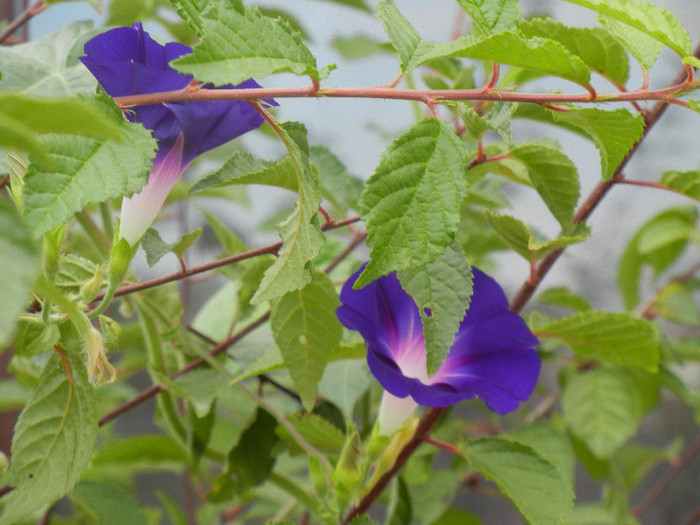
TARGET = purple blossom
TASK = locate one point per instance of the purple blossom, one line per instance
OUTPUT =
(493, 356)
(127, 61)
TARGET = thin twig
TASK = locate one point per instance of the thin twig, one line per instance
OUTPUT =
(29, 13)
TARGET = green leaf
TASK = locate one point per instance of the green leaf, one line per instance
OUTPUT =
(306, 329)
(156, 248)
(238, 44)
(521, 239)
(594, 45)
(359, 46)
(456, 516)
(357, 4)
(554, 176)
(529, 480)
(658, 243)
(687, 182)
(53, 440)
(676, 303)
(243, 168)
(318, 432)
(552, 444)
(107, 504)
(442, 291)
(48, 66)
(400, 509)
(411, 203)
(19, 266)
(498, 119)
(655, 21)
(564, 298)
(642, 47)
(22, 119)
(144, 452)
(200, 387)
(300, 232)
(86, 170)
(402, 34)
(613, 132)
(493, 16)
(613, 338)
(344, 382)
(600, 407)
(341, 188)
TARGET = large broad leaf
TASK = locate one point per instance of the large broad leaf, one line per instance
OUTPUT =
(600, 407)
(594, 45)
(300, 232)
(19, 266)
(554, 176)
(493, 16)
(655, 21)
(614, 338)
(411, 203)
(53, 439)
(85, 170)
(240, 43)
(521, 239)
(442, 291)
(613, 132)
(48, 66)
(306, 329)
(531, 482)
(22, 119)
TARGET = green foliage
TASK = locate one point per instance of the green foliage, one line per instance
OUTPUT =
(306, 330)
(53, 439)
(686, 182)
(156, 248)
(493, 16)
(411, 203)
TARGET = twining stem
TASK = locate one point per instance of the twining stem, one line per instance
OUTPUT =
(33, 10)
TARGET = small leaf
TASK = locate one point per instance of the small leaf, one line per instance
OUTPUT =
(676, 303)
(306, 329)
(53, 440)
(529, 480)
(156, 248)
(442, 291)
(687, 183)
(600, 407)
(107, 504)
(594, 45)
(19, 266)
(564, 298)
(402, 34)
(411, 203)
(493, 16)
(613, 133)
(243, 168)
(86, 170)
(300, 232)
(521, 239)
(655, 21)
(238, 44)
(359, 46)
(317, 431)
(613, 338)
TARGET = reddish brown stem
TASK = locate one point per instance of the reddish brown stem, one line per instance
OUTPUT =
(29, 13)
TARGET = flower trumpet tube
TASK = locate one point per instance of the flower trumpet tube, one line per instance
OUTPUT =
(127, 61)
(493, 355)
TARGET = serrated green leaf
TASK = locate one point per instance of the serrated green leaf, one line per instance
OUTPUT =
(191, 12)
(300, 232)
(644, 48)
(107, 504)
(318, 432)
(402, 34)
(497, 118)
(493, 16)
(240, 168)
(554, 176)
(600, 407)
(19, 266)
(237, 45)
(86, 170)
(655, 21)
(552, 444)
(594, 45)
(521, 239)
(529, 480)
(22, 119)
(344, 382)
(411, 203)
(613, 338)
(156, 248)
(341, 188)
(686, 182)
(613, 133)
(658, 243)
(53, 439)
(442, 291)
(48, 66)
(565, 298)
(306, 329)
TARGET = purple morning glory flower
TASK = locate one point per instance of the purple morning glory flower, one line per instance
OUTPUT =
(493, 356)
(127, 61)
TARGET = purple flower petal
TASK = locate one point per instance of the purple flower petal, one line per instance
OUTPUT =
(493, 356)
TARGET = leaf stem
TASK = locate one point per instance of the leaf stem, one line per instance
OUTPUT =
(29, 13)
